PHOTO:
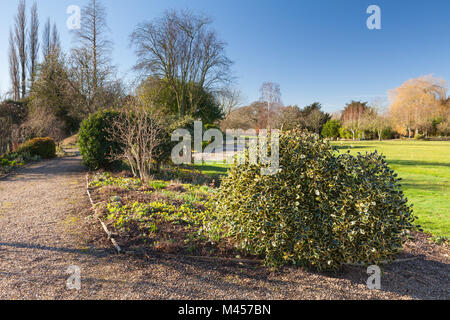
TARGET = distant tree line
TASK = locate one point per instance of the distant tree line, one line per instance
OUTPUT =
(419, 108)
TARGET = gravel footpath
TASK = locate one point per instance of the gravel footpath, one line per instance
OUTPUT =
(46, 227)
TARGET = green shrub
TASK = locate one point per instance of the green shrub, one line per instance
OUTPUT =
(331, 129)
(387, 134)
(321, 210)
(93, 140)
(164, 149)
(345, 134)
(45, 148)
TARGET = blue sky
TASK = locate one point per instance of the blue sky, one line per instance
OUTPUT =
(317, 50)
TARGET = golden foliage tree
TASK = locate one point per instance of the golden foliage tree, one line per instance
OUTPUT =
(416, 103)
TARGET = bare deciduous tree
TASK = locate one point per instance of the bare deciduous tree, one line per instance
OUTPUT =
(181, 48)
(46, 40)
(229, 99)
(14, 68)
(352, 116)
(55, 44)
(92, 37)
(41, 123)
(139, 134)
(377, 119)
(91, 68)
(21, 43)
(271, 96)
(33, 40)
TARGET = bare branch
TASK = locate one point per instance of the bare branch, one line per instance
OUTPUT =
(139, 133)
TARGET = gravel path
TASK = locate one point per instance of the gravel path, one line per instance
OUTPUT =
(46, 227)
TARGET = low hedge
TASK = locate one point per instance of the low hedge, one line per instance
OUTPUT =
(45, 148)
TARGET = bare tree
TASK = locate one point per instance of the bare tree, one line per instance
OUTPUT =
(41, 123)
(379, 118)
(55, 43)
(271, 96)
(352, 116)
(229, 99)
(181, 48)
(92, 37)
(33, 40)
(51, 43)
(91, 68)
(21, 43)
(14, 68)
(46, 40)
(139, 134)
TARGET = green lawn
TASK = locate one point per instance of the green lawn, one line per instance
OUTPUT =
(212, 168)
(424, 167)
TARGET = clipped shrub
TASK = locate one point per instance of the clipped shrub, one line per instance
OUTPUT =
(95, 147)
(45, 148)
(321, 210)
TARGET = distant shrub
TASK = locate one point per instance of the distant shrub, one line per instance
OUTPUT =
(387, 134)
(45, 148)
(5, 162)
(331, 129)
(345, 134)
(321, 210)
(95, 146)
(419, 136)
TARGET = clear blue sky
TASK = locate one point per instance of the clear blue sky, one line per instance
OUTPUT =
(317, 50)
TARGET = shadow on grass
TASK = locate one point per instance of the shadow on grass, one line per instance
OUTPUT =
(212, 169)
(349, 147)
(419, 163)
(427, 187)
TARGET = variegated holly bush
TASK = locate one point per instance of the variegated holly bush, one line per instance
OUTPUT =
(320, 210)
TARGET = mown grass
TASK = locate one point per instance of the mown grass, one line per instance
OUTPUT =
(424, 167)
(212, 168)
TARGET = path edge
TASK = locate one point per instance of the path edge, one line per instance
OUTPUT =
(105, 228)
